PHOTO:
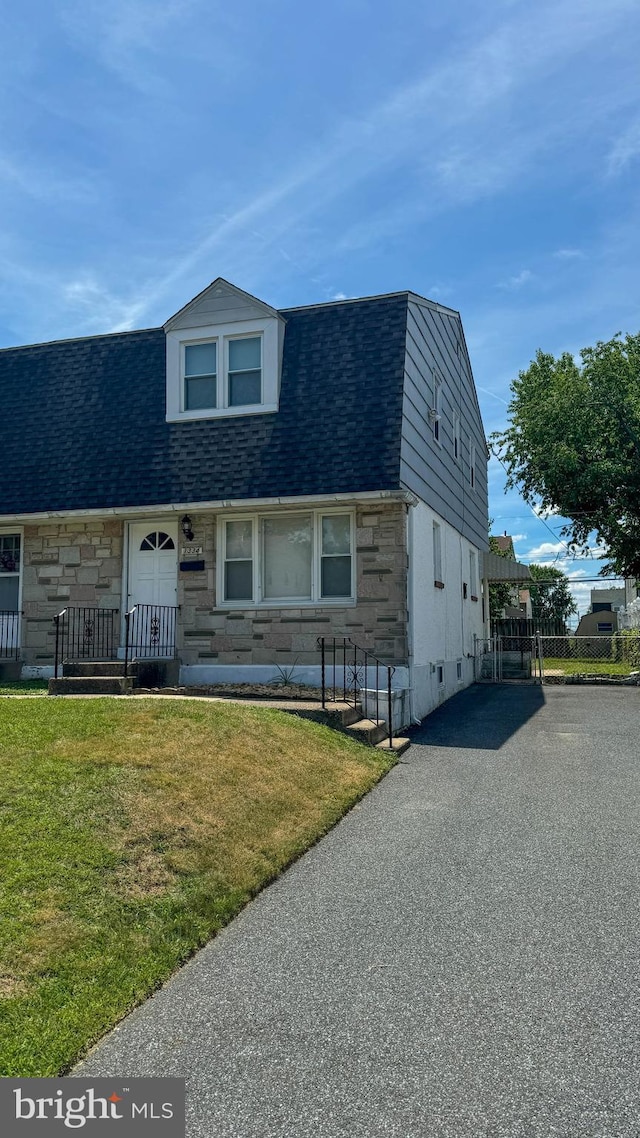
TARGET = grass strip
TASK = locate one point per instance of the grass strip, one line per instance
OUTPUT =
(129, 834)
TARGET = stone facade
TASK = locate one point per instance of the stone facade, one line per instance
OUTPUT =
(377, 622)
(79, 563)
(71, 563)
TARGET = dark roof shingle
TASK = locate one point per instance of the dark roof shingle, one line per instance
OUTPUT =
(82, 422)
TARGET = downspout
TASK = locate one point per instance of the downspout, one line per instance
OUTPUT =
(410, 609)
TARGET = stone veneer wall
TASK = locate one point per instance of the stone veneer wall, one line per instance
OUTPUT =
(377, 622)
(77, 563)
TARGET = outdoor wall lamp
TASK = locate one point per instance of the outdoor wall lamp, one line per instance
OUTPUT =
(186, 527)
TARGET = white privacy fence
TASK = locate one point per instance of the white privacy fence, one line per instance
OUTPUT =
(629, 617)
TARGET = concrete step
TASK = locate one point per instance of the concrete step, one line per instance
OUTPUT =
(399, 746)
(91, 685)
(344, 713)
(367, 731)
(96, 668)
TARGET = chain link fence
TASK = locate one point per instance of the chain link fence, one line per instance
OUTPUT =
(501, 658)
(615, 655)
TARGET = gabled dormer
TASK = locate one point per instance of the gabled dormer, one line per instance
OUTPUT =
(224, 355)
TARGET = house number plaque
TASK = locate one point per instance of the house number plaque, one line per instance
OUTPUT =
(191, 551)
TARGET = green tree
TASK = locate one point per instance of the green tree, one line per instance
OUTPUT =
(500, 593)
(573, 445)
(551, 597)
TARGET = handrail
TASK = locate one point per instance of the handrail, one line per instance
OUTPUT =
(335, 645)
(10, 637)
(149, 630)
(84, 632)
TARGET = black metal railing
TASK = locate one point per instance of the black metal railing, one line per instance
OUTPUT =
(347, 671)
(9, 634)
(86, 634)
(149, 633)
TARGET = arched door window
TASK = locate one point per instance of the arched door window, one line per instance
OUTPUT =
(157, 540)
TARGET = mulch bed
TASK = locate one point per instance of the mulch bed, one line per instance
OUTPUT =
(244, 691)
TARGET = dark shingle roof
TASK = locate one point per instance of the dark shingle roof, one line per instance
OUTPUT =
(82, 422)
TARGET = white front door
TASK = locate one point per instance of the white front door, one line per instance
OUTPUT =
(153, 563)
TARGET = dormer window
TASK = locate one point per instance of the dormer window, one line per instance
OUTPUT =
(200, 376)
(222, 367)
(234, 381)
(244, 370)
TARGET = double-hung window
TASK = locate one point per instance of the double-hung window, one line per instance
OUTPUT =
(200, 376)
(215, 371)
(244, 371)
(286, 558)
(225, 373)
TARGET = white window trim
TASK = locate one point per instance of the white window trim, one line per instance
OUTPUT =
(316, 600)
(177, 341)
(20, 574)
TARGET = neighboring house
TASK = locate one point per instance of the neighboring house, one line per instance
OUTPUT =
(607, 600)
(519, 606)
(602, 618)
(268, 477)
(599, 623)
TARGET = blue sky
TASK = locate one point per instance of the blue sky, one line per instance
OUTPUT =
(485, 154)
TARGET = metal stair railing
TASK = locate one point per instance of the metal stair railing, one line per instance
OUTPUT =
(150, 632)
(10, 634)
(85, 634)
(339, 654)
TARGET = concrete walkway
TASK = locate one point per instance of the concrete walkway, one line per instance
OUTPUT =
(458, 957)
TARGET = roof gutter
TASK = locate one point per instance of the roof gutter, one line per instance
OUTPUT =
(219, 504)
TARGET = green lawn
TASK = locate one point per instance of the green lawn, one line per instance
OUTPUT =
(23, 687)
(588, 666)
(130, 833)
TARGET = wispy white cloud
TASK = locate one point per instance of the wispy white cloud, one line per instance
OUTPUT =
(468, 96)
(517, 281)
(43, 183)
(568, 254)
(545, 550)
(129, 36)
(462, 94)
(625, 149)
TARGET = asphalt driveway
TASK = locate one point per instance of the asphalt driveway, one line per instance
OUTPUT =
(458, 957)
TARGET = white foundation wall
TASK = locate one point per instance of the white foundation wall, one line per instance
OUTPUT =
(442, 622)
